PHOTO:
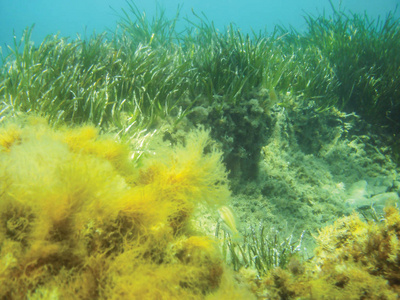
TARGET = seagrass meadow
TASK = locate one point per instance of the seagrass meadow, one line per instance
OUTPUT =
(151, 162)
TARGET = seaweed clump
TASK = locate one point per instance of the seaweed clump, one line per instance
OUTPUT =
(354, 260)
(80, 219)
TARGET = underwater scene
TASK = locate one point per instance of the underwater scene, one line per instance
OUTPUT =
(171, 158)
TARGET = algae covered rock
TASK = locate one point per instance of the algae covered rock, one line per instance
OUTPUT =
(315, 167)
(354, 260)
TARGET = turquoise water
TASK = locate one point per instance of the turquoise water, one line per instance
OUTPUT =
(80, 16)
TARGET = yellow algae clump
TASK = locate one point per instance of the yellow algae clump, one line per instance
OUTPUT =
(354, 260)
(79, 220)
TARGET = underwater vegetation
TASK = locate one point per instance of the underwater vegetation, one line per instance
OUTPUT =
(79, 219)
(353, 260)
(147, 72)
(90, 81)
(152, 163)
(148, 69)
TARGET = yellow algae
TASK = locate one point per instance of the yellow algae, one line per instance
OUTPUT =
(78, 219)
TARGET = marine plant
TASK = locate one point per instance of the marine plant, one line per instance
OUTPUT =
(359, 61)
(262, 249)
(92, 81)
(339, 59)
(135, 25)
(79, 218)
(353, 260)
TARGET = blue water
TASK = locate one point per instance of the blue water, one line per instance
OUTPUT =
(80, 16)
